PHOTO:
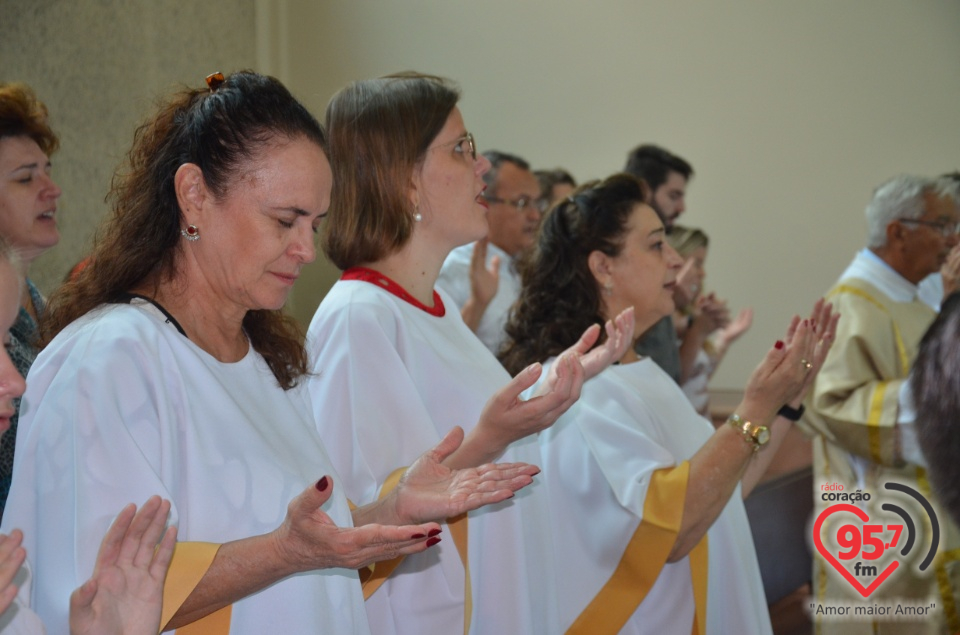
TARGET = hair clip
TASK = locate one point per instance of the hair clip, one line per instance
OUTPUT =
(215, 81)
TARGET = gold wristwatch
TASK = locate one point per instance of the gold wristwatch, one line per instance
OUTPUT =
(755, 435)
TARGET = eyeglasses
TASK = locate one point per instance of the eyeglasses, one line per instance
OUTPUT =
(462, 145)
(946, 228)
(522, 203)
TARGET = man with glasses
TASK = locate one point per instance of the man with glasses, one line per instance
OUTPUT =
(481, 278)
(935, 288)
(856, 403)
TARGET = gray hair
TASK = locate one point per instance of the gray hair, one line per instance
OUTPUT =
(497, 159)
(948, 186)
(900, 197)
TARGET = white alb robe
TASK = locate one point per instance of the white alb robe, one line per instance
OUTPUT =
(120, 407)
(389, 381)
(597, 463)
(455, 280)
(19, 618)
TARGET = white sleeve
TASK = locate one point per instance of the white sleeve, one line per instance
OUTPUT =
(365, 402)
(89, 443)
(907, 429)
(20, 620)
(621, 449)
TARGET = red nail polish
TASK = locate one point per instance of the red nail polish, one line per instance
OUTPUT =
(322, 484)
(778, 345)
(434, 532)
(432, 542)
(417, 536)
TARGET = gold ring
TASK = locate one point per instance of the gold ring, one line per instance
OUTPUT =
(806, 364)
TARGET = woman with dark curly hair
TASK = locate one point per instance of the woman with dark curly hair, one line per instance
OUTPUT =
(171, 369)
(28, 207)
(648, 523)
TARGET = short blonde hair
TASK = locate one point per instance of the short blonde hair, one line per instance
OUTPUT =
(686, 240)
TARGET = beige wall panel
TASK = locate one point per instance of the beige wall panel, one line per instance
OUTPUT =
(790, 112)
(99, 65)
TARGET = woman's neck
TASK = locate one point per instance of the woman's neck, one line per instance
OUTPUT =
(415, 268)
(630, 356)
(203, 319)
(26, 300)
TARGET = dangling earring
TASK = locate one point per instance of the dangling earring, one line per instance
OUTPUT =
(608, 288)
(191, 233)
(416, 214)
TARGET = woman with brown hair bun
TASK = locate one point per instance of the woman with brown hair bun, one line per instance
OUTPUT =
(28, 207)
(170, 369)
(648, 523)
(395, 369)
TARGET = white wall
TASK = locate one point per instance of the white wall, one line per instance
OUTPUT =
(790, 112)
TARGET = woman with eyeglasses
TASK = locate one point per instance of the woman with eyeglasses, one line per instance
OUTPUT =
(170, 369)
(395, 367)
(647, 523)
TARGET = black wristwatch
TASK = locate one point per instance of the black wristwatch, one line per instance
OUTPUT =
(793, 414)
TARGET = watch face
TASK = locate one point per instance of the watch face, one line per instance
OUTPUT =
(762, 435)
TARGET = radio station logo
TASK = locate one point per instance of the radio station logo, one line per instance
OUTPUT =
(860, 543)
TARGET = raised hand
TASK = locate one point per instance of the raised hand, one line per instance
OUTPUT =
(688, 284)
(620, 337)
(737, 327)
(507, 417)
(309, 539)
(824, 324)
(782, 373)
(12, 556)
(429, 490)
(125, 594)
(484, 280)
(713, 312)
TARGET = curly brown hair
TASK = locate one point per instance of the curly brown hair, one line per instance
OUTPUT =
(140, 243)
(560, 297)
(23, 115)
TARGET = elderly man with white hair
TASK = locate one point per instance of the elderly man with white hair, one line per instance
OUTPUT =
(853, 411)
(936, 287)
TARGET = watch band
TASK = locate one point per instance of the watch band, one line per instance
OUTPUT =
(792, 414)
(756, 436)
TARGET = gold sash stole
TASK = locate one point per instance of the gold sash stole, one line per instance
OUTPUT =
(457, 525)
(876, 400)
(190, 563)
(644, 557)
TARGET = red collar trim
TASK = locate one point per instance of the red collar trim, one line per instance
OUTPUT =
(377, 278)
